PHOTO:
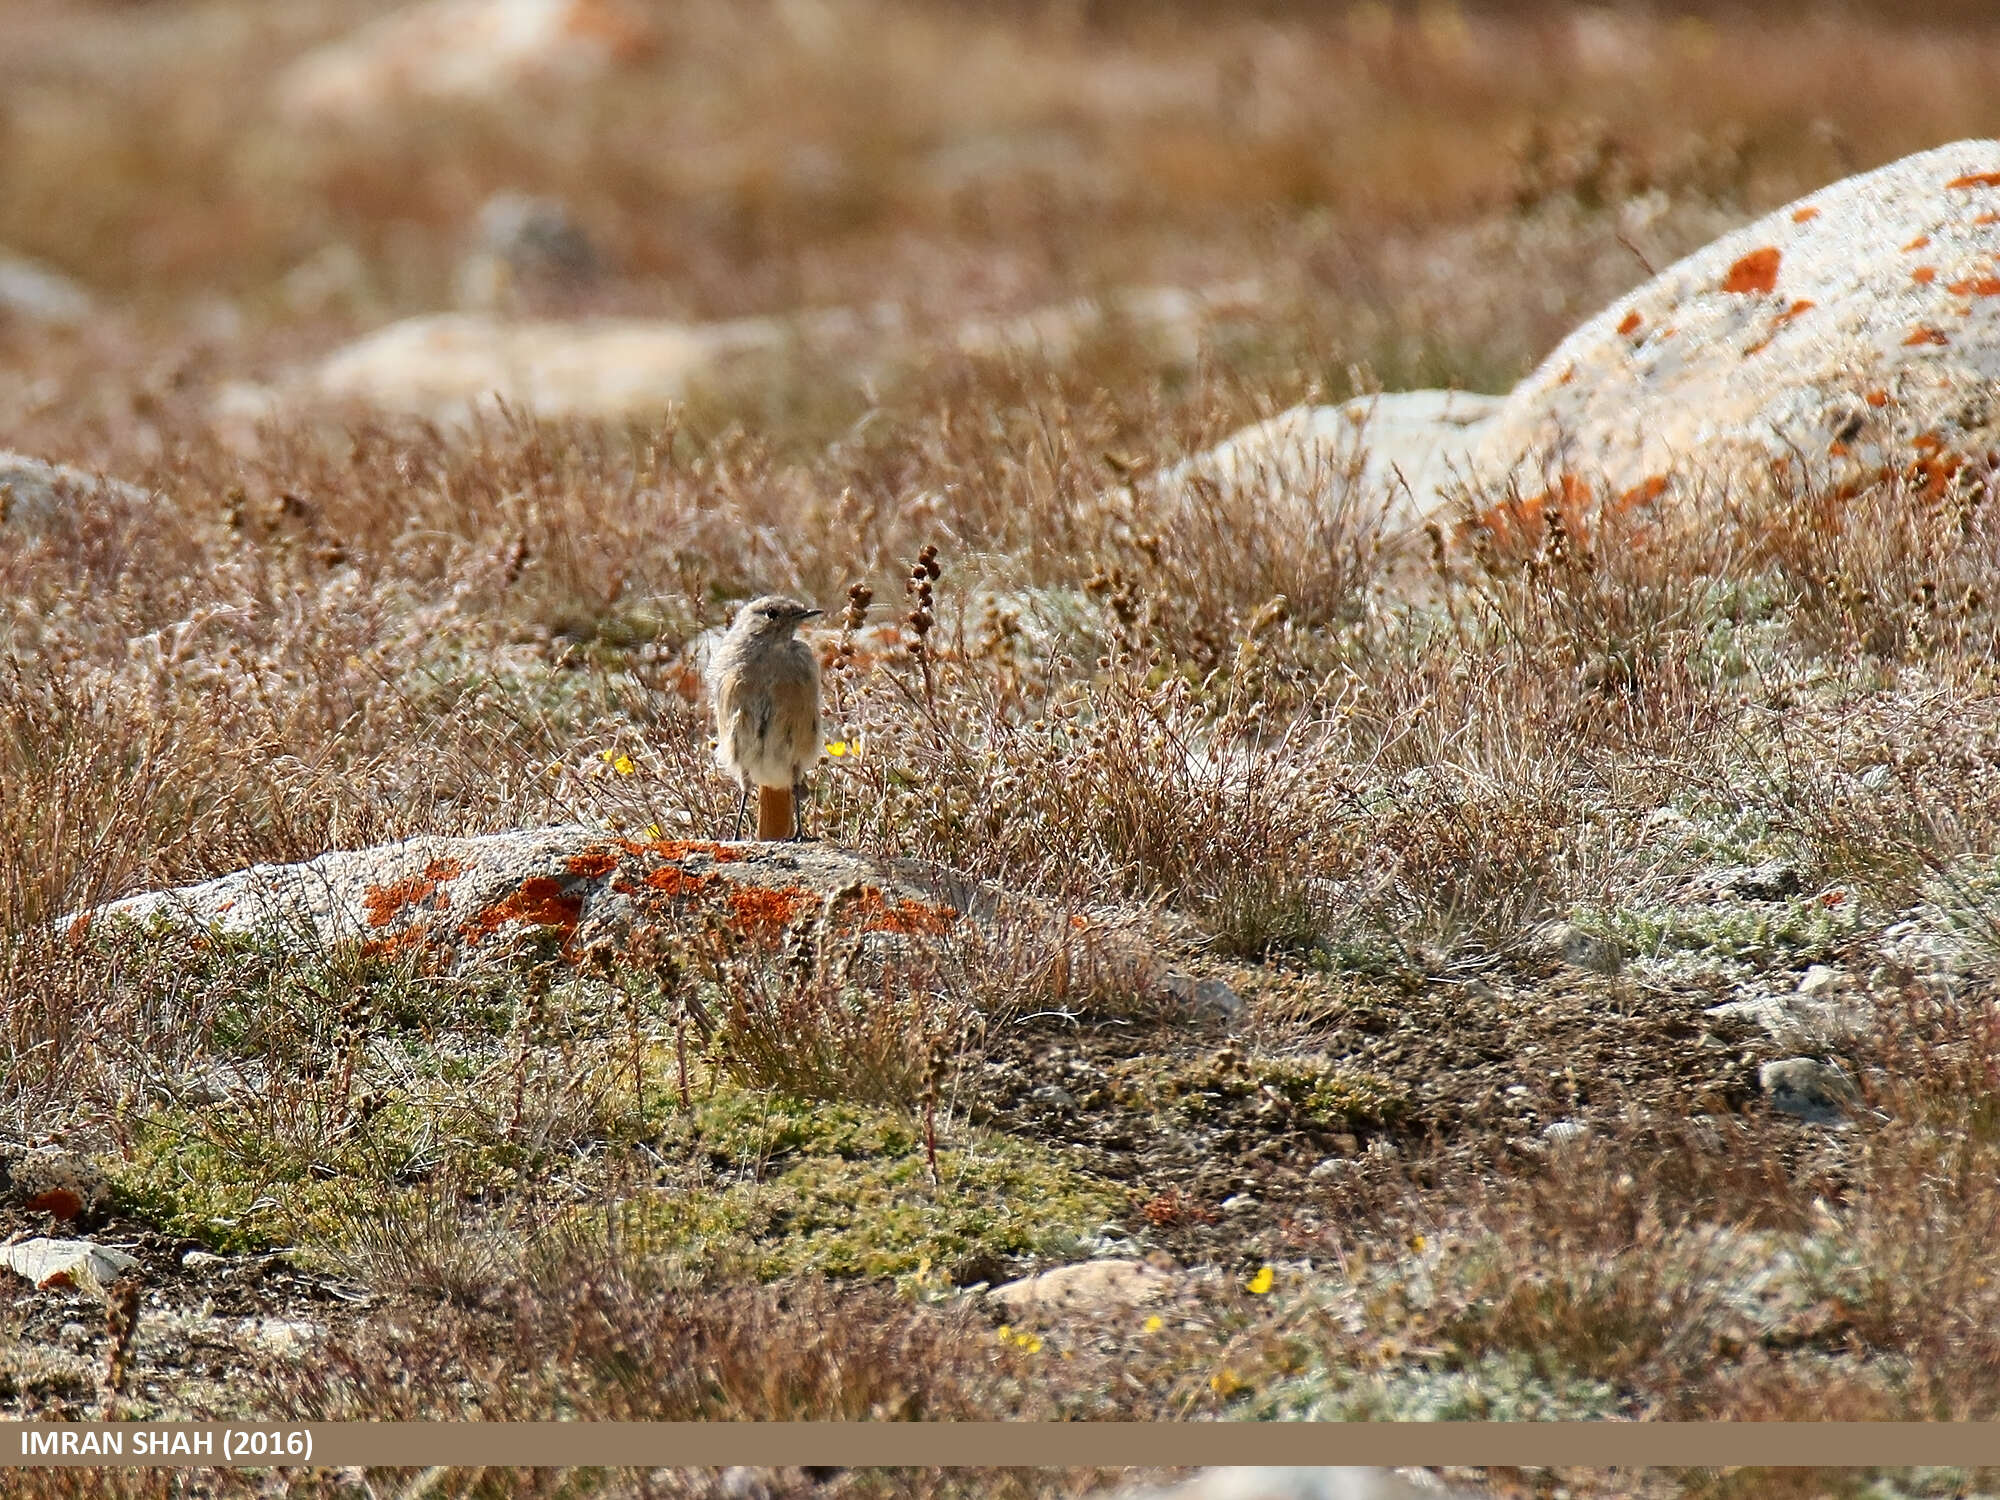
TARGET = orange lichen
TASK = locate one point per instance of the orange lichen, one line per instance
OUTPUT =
(1936, 473)
(680, 848)
(540, 901)
(592, 863)
(1755, 272)
(879, 914)
(1983, 286)
(1631, 321)
(388, 947)
(1924, 275)
(1927, 442)
(1989, 217)
(1647, 490)
(1837, 448)
(763, 911)
(1800, 215)
(1926, 336)
(1877, 398)
(675, 881)
(1975, 179)
(1919, 243)
(385, 903)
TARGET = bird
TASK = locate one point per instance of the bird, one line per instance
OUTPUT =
(764, 682)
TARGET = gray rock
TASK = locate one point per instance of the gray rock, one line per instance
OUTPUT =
(1801, 1020)
(1769, 880)
(32, 492)
(1206, 999)
(1808, 1088)
(1392, 454)
(1570, 944)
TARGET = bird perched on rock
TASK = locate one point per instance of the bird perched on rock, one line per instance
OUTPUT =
(765, 683)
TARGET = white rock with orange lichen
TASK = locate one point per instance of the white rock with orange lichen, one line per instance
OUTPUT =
(459, 49)
(1851, 334)
(589, 895)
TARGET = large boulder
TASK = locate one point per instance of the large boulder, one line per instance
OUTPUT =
(1394, 455)
(588, 895)
(1847, 337)
(463, 49)
(1850, 335)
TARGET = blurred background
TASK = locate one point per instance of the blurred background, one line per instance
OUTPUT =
(809, 208)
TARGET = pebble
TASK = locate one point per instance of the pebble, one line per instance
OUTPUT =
(1808, 1088)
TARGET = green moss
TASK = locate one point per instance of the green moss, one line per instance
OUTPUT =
(241, 1178)
(846, 1190)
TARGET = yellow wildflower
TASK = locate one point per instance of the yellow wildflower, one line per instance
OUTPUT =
(1155, 1323)
(1260, 1283)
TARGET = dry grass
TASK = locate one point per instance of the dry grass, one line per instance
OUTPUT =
(355, 632)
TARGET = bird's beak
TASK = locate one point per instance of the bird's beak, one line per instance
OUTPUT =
(812, 613)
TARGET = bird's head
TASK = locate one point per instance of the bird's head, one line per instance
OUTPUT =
(773, 614)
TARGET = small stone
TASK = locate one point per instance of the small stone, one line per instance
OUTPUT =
(1205, 999)
(1808, 1088)
(1089, 1286)
(1239, 1203)
(1875, 778)
(1570, 944)
(201, 1260)
(1328, 1169)
(1769, 880)
(1055, 1096)
(82, 1264)
(1563, 1132)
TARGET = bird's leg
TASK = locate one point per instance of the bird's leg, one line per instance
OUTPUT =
(742, 802)
(798, 809)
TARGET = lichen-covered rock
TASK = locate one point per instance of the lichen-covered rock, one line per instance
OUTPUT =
(462, 49)
(32, 491)
(588, 894)
(1392, 455)
(1850, 335)
(54, 1181)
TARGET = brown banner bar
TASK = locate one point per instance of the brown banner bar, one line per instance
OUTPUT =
(1005, 1444)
